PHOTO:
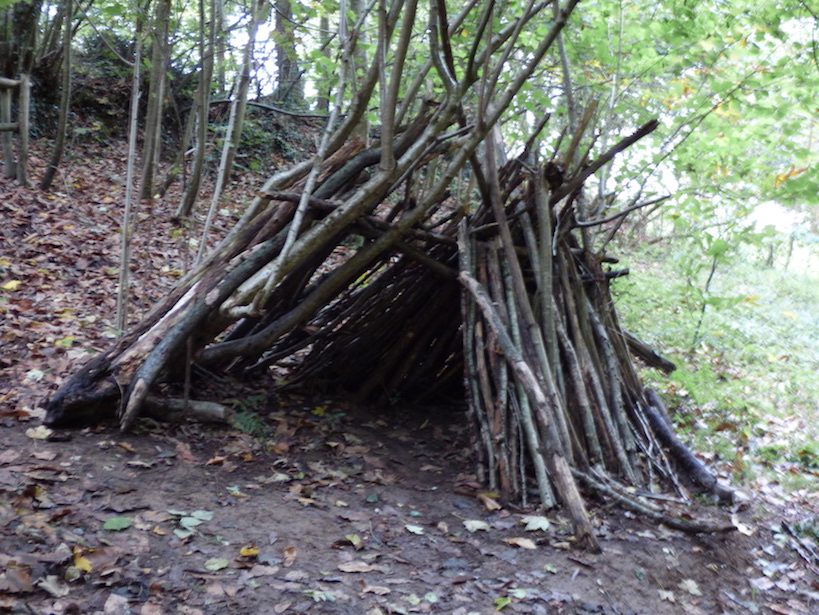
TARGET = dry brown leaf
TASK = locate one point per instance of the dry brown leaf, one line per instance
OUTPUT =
(356, 566)
(184, 452)
(523, 543)
(378, 590)
(126, 447)
(44, 455)
(8, 456)
(489, 503)
(290, 554)
(16, 580)
(151, 608)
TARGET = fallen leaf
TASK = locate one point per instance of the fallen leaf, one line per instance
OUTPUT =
(249, 551)
(356, 566)
(414, 529)
(16, 580)
(290, 554)
(523, 543)
(762, 583)
(150, 608)
(54, 586)
(690, 586)
(82, 563)
(216, 563)
(488, 502)
(742, 528)
(259, 570)
(534, 523)
(667, 596)
(41, 432)
(143, 465)
(117, 524)
(35, 375)
(9, 455)
(116, 605)
(378, 590)
(355, 540)
(473, 525)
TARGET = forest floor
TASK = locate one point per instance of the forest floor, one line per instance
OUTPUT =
(311, 506)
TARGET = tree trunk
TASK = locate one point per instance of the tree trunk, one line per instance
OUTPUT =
(19, 38)
(126, 231)
(202, 110)
(160, 55)
(290, 87)
(65, 99)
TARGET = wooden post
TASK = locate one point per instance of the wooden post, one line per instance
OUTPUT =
(6, 125)
(22, 134)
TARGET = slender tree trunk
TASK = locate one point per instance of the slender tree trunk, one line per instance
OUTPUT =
(65, 100)
(201, 109)
(359, 60)
(126, 232)
(323, 101)
(160, 53)
(239, 104)
(221, 51)
(235, 123)
(23, 131)
(289, 88)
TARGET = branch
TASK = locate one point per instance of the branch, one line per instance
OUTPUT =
(584, 173)
(620, 214)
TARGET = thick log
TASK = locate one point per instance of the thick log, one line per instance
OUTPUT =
(694, 468)
(647, 354)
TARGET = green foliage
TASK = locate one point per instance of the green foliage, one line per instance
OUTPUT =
(250, 423)
(746, 393)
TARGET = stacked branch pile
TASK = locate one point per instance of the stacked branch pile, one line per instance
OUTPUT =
(419, 266)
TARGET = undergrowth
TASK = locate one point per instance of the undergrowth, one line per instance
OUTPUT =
(745, 393)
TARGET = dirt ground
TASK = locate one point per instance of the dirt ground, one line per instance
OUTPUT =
(335, 511)
(303, 505)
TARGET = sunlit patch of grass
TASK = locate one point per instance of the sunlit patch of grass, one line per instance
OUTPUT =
(746, 392)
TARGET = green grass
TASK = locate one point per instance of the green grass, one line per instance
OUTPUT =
(746, 391)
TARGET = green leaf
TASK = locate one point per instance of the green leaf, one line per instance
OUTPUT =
(216, 563)
(117, 524)
(718, 248)
(502, 602)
